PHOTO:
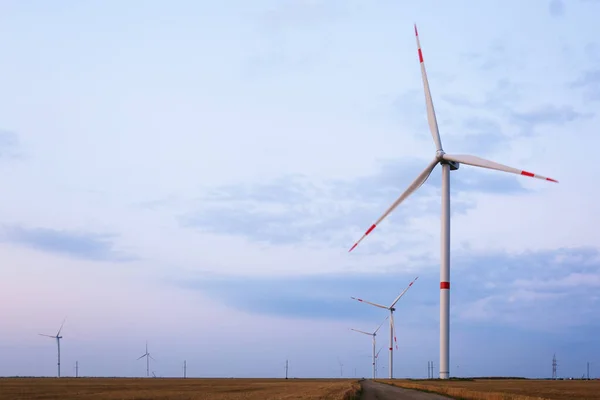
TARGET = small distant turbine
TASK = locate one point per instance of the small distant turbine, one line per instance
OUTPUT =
(148, 357)
(392, 328)
(57, 337)
(374, 334)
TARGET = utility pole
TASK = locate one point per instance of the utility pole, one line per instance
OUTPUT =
(428, 369)
(184, 369)
(286, 369)
(554, 364)
(77, 369)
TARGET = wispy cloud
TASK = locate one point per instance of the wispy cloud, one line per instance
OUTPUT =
(84, 245)
(9, 142)
(589, 82)
(293, 209)
(556, 8)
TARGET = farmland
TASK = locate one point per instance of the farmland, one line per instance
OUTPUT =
(175, 389)
(507, 389)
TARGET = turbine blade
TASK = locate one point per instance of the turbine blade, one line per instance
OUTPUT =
(151, 357)
(402, 294)
(61, 326)
(483, 163)
(41, 334)
(411, 188)
(368, 302)
(142, 356)
(433, 126)
(380, 325)
(377, 355)
(366, 333)
(394, 330)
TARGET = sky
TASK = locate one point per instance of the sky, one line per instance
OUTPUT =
(193, 173)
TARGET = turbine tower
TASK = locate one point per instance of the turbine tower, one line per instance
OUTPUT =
(392, 328)
(57, 337)
(374, 334)
(449, 163)
(148, 357)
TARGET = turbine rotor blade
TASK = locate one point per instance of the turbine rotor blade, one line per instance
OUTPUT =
(41, 334)
(483, 163)
(394, 330)
(402, 294)
(356, 330)
(368, 302)
(61, 326)
(380, 325)
(142, 356)
(433, 126)
(420, 179)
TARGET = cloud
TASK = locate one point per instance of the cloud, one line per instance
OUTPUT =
(9, 142)
(556, 8)
(490, 289)
(83, 245)
(292, 209)
(528, 121)
(589, 82)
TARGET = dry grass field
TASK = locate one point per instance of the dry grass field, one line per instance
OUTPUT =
(507, 389)
(175, 389)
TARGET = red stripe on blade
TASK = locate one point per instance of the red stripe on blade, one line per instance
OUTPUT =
(527, 173)
(551, 180)
(353, 247)
(416, 32)
(444, 285)
(370, 229)
(420, 56)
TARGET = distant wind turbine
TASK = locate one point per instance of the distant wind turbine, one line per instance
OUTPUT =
(148, 357)
(392, 328)
(57, 337)
(449, 163)
(373, 334)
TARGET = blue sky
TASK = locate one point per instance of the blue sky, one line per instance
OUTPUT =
(193, 174)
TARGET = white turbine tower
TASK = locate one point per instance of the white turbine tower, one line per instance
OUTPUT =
(449, 163)
(57, 337)
(374, 335)
(392, 329)
(148, 357)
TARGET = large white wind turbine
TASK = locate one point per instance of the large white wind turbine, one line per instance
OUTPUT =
(392, 329)
(148, 357)
(57, 337)
(373, 334)
(449, 163)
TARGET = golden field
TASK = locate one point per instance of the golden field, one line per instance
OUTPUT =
(507, 389)
(176, 389)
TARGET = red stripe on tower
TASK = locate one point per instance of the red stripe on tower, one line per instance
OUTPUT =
(444, 285)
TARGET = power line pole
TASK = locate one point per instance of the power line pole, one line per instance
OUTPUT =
(286, 369)
(428, 369)
(554, 364)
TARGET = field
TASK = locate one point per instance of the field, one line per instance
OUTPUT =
(175, 389)
(507, 389)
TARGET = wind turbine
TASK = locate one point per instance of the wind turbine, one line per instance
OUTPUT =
(374, 334)
(148, 357)
(449, 163)
(57, 337)
(392, 329)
